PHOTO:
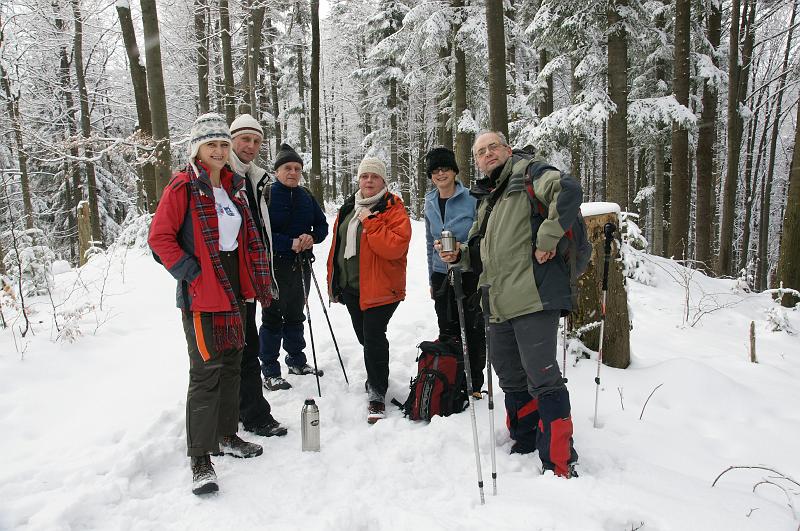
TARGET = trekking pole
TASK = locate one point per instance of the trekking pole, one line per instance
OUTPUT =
(564, 346)
(459, 293)
(309, 259)
(308, 316)
(608, 231)
(486, 314)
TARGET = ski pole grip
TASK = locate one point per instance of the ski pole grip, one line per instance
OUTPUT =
(608, 231)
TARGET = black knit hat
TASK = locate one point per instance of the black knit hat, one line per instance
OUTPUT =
(286, 154)
(440, 157)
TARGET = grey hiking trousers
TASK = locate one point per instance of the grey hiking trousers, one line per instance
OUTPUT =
(523, 353)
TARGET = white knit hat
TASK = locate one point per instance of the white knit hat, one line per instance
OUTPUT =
(207, 128)
(245, 124)
(372, 165)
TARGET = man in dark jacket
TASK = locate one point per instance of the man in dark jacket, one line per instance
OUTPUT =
(254, 410)
(527, 293)
(297, 223)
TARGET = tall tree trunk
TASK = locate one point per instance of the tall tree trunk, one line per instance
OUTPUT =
(679, 193)
(546, 93)
(158, 95)
(316, 164)
(734, 143)
(617, 184)
(271, 33)
(498, 104)
(12, 107)
(658, 200)
(789, 257)
(73, 170)
(751, 177)
(200, 37)
(422, 177)
(139, 81)
(86, 127)
(763, 238)
(463, 139)
(227, 60)
(575, 137)
(444, 133)
(706, 148)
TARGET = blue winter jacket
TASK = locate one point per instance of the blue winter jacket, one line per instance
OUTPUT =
(292, 212)
(459, 215)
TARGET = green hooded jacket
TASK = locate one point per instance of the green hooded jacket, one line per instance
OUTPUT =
(519, 285)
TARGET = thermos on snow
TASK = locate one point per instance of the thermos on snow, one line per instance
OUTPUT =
(309, 426)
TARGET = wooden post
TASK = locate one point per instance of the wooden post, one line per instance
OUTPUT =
(616, 341)
(84, 231)
(753, 358)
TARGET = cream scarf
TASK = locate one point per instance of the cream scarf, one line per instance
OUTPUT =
(362, 203)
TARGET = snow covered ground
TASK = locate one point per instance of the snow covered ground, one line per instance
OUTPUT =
(93, 430)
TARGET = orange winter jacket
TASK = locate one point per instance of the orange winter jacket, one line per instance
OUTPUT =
(385, 236)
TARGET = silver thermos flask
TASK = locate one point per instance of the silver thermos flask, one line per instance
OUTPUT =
(309, 426)
(448, 241)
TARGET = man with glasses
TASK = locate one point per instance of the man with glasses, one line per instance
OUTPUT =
(529, 290)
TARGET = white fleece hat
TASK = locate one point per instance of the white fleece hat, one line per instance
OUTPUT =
(245, 124)
(372, 165)
(207, 128)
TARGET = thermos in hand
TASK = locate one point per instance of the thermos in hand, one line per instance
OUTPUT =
(448, 241)
(309, 426)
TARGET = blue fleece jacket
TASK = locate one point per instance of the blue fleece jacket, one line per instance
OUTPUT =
(459, 215)
(292, 212)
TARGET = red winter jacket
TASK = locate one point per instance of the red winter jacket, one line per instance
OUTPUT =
(178, 242)
(383, 248)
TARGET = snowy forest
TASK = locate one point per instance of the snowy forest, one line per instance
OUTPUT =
(683, 112)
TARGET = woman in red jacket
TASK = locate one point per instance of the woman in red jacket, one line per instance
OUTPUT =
(367, 270)
(204, 235)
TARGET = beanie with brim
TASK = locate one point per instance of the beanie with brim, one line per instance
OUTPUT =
(286, 154)
(245, 124)
(440, 157)
(207, 128)
(372, 165)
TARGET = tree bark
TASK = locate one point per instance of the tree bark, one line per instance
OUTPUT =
(575, 137)
(734, 143)
(273, 81)
(617, 183)
(316, 164)
(86, 127)
(158, 95)
(706, 149)
(200, 37)
(498, 105)
(462, 138)
(679, 189)
(546, 97)
(750, 176)
(12, 107)
(444, 133)
(227, 60)
(789, 257)
(763, 239)
(139, 81)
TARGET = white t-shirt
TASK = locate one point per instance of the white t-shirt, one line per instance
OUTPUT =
(229, 220)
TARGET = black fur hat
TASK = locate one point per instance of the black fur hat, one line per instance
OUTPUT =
(440, 157)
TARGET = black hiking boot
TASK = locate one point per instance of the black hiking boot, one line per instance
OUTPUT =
(375, 412)
(304, 369)
(571, 471)
(235, 446)
(276, 383)
(204, 479)
(271, 428)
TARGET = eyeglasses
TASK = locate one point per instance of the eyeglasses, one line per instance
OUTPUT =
(440, 170)
(494, 146)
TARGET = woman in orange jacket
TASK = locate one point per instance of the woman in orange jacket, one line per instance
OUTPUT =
(367, 270)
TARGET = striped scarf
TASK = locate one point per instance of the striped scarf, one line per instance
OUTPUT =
(227, 325)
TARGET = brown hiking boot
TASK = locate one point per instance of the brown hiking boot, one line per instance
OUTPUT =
(375, 412)
(235, 446)
(204, 479)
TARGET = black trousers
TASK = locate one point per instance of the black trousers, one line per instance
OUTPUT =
(444, 302)
(254, 410)
(212, 400)
(370, 328)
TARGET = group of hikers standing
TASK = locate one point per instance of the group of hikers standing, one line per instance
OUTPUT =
(232, 233)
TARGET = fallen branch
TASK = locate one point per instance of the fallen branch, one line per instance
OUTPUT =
(648, 399)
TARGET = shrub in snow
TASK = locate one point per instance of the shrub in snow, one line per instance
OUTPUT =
(744, 282)
(778, 321)
(69, 321)
(35, 260)
(634, 264)
(134, 232)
